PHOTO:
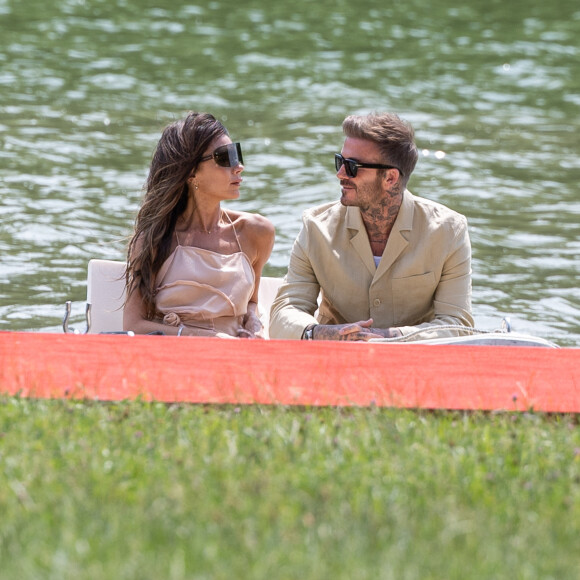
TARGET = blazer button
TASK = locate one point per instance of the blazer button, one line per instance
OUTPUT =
(377, 302)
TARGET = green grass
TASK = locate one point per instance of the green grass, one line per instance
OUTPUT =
(138, 490)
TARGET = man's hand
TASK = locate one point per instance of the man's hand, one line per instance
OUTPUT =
(357, 331)
(388, 332)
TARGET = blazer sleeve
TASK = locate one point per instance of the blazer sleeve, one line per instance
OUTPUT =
(297, 299)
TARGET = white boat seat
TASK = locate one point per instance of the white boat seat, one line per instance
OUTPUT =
(106, 295)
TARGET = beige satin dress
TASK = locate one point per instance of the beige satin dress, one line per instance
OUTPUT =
(204, 289)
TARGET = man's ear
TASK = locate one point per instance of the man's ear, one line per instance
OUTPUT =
(391, 177)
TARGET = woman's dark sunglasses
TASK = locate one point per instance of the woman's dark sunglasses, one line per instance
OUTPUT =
(226, 155)
(351, 166)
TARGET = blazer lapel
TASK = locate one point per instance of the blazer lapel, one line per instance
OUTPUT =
(397, 241)
(359, 238)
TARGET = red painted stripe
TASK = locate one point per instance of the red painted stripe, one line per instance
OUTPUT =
(209, 370)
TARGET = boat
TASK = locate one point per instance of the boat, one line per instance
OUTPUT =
(106, 296)
(491, 371)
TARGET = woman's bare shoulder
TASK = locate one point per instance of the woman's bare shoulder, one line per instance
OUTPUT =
(253, 224)
(256, 233)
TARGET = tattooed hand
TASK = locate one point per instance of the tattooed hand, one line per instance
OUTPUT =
(352, 331)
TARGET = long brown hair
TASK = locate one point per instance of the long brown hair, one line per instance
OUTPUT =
(176, 157)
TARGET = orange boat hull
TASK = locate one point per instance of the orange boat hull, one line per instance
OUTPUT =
(220, 371)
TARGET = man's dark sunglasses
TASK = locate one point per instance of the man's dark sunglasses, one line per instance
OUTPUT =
(226, 155)
(351, 166)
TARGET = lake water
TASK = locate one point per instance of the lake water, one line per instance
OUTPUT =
(492, 89)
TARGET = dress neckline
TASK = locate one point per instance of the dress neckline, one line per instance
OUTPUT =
(222, 212)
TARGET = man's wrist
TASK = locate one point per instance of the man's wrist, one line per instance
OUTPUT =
(308, 333)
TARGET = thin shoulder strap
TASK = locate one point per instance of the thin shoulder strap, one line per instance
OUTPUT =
(235, 233)
(177, 238)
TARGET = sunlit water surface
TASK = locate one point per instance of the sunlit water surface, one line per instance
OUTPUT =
(492, 90)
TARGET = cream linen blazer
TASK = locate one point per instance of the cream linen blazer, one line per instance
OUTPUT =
(423, 279)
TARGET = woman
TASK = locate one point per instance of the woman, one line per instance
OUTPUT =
(193, 268)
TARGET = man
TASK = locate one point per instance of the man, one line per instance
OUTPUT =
(387, 263)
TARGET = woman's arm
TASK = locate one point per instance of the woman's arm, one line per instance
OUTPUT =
(257, 240)
(134, 318)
